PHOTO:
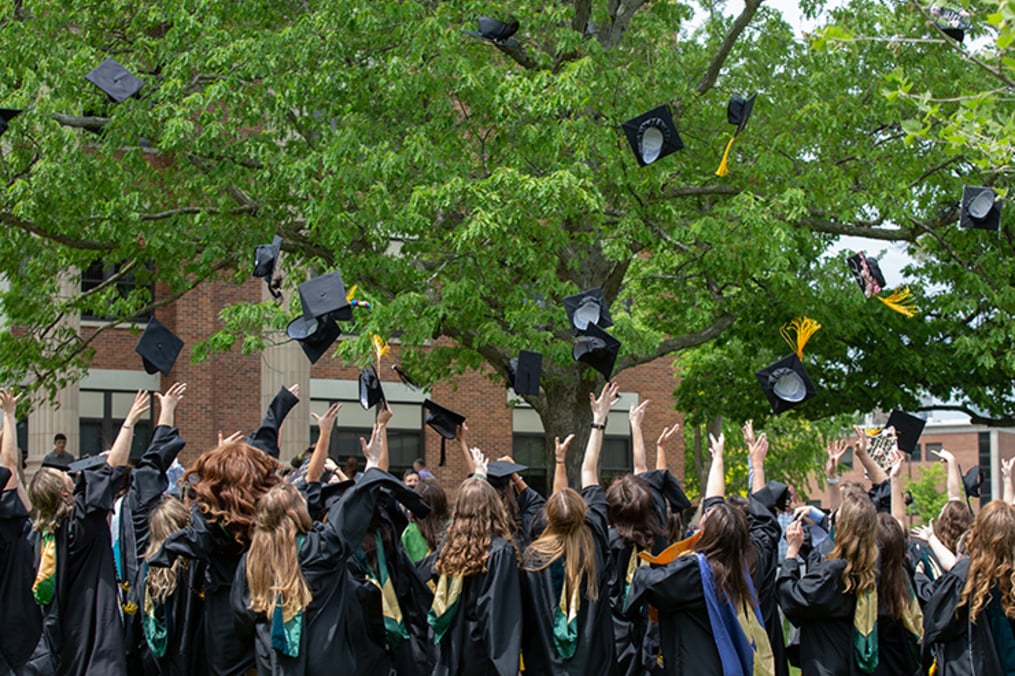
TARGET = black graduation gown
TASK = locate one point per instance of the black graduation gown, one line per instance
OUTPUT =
(332, 632)
(765, 535)
(265, 437)
(541, 597)
(896, 655)
(485, 635)
(817, 605)
(21, 620)
(960, 647)
(82, 631)
(530, 504)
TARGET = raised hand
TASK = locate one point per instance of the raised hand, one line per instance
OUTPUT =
(748, 430)
(602, 404)
(945, 455)
(168, 403)
(142, 402)
(757, 450)
(895, 460)
(295, 390)
(372, 449)
(9, 401)
(384, 413)
(235, 436)
(560, 447)
(862, 441)
(924, 533)
(479, 462)
(636, 414)
(326, 422)
(716, 445)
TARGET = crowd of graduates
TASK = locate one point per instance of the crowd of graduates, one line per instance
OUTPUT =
(244, 564)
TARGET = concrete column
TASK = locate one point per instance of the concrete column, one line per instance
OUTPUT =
(283, 365)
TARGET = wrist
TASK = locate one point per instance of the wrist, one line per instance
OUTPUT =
(598, 426)
(832, 479)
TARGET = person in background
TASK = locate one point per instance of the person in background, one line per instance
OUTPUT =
(59, 455)
(411, 479)
(419, 465)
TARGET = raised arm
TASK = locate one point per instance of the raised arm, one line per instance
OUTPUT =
(560, 466)
(266, 437)
(668, 433)
(636, 415)
(120, 452)
(1009, 488)
(463, 443)
(168, 403)
(945, 556)
(9, 456)
(384, 415)
(716, 487)
(757, 451)
(325, 425)
(954, 483)
(836, 448)
(895, 460)
(874, 471)
(601, 406)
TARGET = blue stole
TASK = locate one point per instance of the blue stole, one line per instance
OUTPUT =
(735, 650)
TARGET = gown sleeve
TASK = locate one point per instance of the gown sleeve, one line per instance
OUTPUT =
(529, 505)
(349, 517)
(149, 482)
(265, 437)
(668, 587)
(809, 597)
(500, 602)
(192, 542)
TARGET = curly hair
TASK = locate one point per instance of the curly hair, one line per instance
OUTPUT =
(954, 519)
(991, 559)
(168, 517)
(231, 478)
(478, 515)
(631, 512)
(856, 541)
(566, 535)
(52, 501)
(273, 570)
(726, 543)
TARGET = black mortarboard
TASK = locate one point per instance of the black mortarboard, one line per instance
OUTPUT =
(738, 110)
(406, 378)
(907, 429)
(952, 22)
(6, 115)
(370, 392)
(980, 208)
(159, 347)
(653, 135)
(265, 256)
(498, 472)
(315, 336)
(526, 369)
(598, 349)
(971, 481)
(325, 295)
(587, 307)
(774, 495)
(493, 30)
(786, 383)
(89, 462)
(118, 82)
(443, 420)
(867, 274)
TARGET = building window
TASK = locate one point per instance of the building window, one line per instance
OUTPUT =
(931, 449)
(404, 446)
(102, 414)
(916, 455)
(615, 459)
(530, 450)
(847, 458)
(984, 461)
(99, 272)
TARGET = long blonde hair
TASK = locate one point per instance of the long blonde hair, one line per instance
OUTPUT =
(51, 501)
(477, 516)
(566, 535)
(168, 517)
(273, 568)
(856, 541)
(991, 546)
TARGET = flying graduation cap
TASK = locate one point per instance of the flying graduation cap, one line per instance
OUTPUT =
(265, 260)
(868, 276)
(587, 307)
(908, 429)
(116, 81)
(6, 115)
(598, 349)
(315, 335)
(971, 481)
(980, 209)
(953, 22)
(786, 383)
(370, 391)
(493, 30)
(525, 371)
(444, 421)
(652, 135)
(738, 111)
(159, 347)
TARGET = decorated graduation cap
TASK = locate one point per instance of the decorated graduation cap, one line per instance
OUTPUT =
(587, 307)
(953, 22)
(653, 135)
(598, 349)
(980, 209)
(498, 472)
(908, 429)
(738, 112)
(526, 370)
(786, 383)
(6, 115)
(444, 421)
(315, 336)
(493, 30)
(871, 281)
(116, 81)
(265, 260)
(159, 347)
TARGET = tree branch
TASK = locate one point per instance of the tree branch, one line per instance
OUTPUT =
(675, 344)
(974, 417)
(621, 13)
(582, 14)
(697, 190)
(517, 54)
(750, 9)
(855, 230)
(34, 229)
(181, 211)
(81, 121)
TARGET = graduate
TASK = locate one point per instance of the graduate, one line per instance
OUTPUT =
(477, 607)
(75, 584)
(423, 534)
(565, 576)
(21, 620)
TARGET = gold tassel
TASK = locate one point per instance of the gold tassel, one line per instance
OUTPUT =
(724, 165)
(381, 348)
(805, 327)
(351, 294)
(901, 300)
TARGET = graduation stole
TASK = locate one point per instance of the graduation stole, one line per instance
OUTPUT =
(394, 625)
(565, 617)
(445, 605)
(865, 634)
(286, 634)
(45, 578)
(154, 622)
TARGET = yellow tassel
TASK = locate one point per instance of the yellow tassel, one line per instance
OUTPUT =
(901, 300)
(804, 327)
(723, 166)
(381, 347)
(351, 294)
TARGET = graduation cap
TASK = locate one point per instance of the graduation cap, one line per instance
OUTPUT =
(738, 112)
(443, 420)
(953, 22)
(370, 392)
(587, 307)
(406, 378)
(90, 462)
(525, 370)
(971, 481)
(493, 30)
(598, 349)
(786, 383)
(653, 135)
(265, 259)
(907, 429)
(315, 336)
(159, 347)
(325, 295)
(871, 281)
(980, 209)
(498, 472)
(6, 115)
(118, 82)
(774, 495)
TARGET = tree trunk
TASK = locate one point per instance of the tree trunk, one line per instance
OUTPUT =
(564, 409)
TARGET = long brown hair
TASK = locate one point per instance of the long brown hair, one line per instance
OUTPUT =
(51, 500)
(856, 541)
(566, 535)
(893, 590)
(230, 480)
(632, 513)
(991, 546)
(478, 515)
(954, 520)
(273, 568)
(432, 526)
(726, 543)
(169, 516)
